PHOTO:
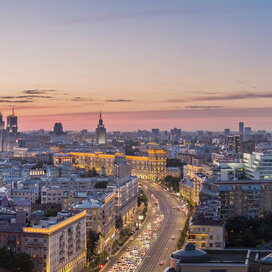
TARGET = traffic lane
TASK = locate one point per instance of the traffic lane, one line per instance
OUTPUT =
(165, 245)
(132, 243)
(155, 251)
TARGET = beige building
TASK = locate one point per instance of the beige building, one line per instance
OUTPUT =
(207, 234)
(100, 210)
(187, 191)
(174, 172)
(51, 194)
(150, 167)
(69, 198)
(58, 244)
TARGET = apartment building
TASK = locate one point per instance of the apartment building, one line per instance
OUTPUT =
(100, 215)
(51, 194)
(245, 198)
(57, 244)
(207, 234)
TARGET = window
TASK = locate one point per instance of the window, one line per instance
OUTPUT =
(210, 244)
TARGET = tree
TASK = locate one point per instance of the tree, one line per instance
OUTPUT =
(15, 261)
(24, 262)
(172, 182)
(101, 184)
(174, 163)
(92, 241)
(51, 212)
(118, 222)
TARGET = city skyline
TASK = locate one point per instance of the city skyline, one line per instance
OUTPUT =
(180, 64)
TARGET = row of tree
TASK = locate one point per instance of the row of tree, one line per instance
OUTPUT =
(12, 261)
(244, 232)
(171, 183)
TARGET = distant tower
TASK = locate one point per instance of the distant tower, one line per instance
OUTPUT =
(2, 132)
(12, 126)
(58, 129)
(100, 132)
(2, 122)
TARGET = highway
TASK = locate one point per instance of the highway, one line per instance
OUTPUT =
(150, 248)
(158, 256)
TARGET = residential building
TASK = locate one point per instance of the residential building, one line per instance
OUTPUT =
(174, 172)
(51, 194)
(57, 244)
(100, 210)
(245, 198)
(28, 194)
(207, 234)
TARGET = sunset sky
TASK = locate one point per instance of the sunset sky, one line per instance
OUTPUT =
(143, 63)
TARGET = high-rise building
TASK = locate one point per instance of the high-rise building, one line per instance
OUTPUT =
(241, 128)
(247, 133)
(155, 132)
(233, 143)
(227, 131)
(2, 132)
(2, 122)
(12, 126)
(58, 129)
(100, 132)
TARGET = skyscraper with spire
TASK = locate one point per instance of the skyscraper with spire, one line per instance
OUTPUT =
(100, 132)
(12, 125)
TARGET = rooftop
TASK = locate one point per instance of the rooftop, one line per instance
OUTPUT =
(48, 226)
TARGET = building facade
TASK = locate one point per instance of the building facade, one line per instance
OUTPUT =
(245, 198)
(150, 167)
(100, 215)
(207, 234)
(58, 244)
(258, 166)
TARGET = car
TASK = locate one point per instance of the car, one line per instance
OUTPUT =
(161, 262)
(173, 237)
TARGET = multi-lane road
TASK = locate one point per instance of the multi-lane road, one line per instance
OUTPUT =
(150, 248)
(158, 256)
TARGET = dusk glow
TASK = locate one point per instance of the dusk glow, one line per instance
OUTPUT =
(67, 60)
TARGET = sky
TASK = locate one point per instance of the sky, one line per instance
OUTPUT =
(195, 65)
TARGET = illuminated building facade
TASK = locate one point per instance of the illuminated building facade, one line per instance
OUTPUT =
(151, 167)
(100, 132)
(58, 244)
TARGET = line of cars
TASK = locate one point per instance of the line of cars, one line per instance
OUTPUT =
(132, 258)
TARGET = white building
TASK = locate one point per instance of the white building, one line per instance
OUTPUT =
(258, 166)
